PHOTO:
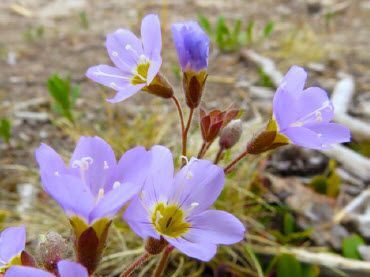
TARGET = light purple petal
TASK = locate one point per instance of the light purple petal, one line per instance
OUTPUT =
(12, 242)
(125, 93)
(71, 194)
(109, 76)
(124, 49)
(110, 204)
(138, 218)
(285, 103)
(49, 161)
(98, 157)
(303, 137)
(294, 80)
(314, 106)
(151, 36)
(26, 271)
(330, 133)
(216, 227)
(160, 178)
(71, 269)
(201, 251)
(133, 167)
(197, 185)
(153, 69)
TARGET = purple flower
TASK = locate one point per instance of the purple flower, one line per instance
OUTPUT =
(12, 244)
(303, 115)
(176, 207)
(65, 269)
(94, 186)
(192, 45)
(136, 61)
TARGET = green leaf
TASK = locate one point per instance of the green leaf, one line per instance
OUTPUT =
(269, 28)
(310, 271)
(84, 20)
(5, 129)
(289, 225)
(222, 33)
(288, 265)
(327, 183)
(249, 32)
(350, 246)
(204, 23)
(63, 94)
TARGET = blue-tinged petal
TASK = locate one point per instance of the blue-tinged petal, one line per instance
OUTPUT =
(49, 161)
(330, 133)
(124, 49)
(12, 243)
(26, 271)
(125, 93)
(294, 80)
(151, 36)
(95, 161)
(109, 76)
(138, 218)
(160, 178)
(153, 69)
(303, 137)
(197, 185)
(71, 269)
(133, 167)
(70, 193)
(201, 251)
(113, 201)
(216, 227)
(314, 107)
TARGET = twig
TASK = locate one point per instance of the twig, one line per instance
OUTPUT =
(353, 205)
(355, 163)
(341, 99)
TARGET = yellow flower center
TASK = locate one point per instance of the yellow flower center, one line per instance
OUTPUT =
(14, 261)
(169, 220)
(141, 74)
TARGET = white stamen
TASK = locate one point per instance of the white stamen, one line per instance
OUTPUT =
(106, 166)
(318, 116)
(296, 124)
(158, 216)
(56, 173)
(116, 184)
(319, 135)
(83, 163)
(184, 158)
(114, 54)
(194, 204)
(100, 195)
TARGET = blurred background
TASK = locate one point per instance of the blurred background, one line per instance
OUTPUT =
(294, 201)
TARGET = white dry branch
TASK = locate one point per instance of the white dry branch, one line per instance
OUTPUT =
(355, 163)
(341, 99)
(319, 258)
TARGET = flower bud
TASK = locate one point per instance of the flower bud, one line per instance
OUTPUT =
(155, 246)
(51, 249)
(193, 85)
(212, 122)
(230, 135)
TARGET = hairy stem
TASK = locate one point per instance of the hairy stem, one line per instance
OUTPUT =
(185, 133)
(142, 259)
(178, 106)
(219, 155)
(200, 153)
(163, 262)
(231, 165)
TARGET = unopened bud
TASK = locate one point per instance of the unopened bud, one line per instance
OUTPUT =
(155, 246)
(231, 134)
(51, 249)
(193, 85)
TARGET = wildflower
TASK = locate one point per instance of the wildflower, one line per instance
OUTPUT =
(92, 189)
(12, 244)
(214, 121)
(300, 116)
(65, 269)
(174, 209)
(136, 61)
(192, 45)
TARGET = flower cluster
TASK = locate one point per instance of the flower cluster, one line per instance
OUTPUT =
(167, 208)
